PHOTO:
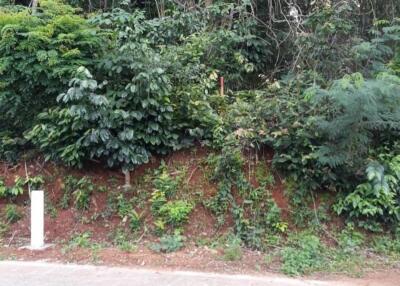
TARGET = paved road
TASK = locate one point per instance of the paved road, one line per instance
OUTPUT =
(15, 273)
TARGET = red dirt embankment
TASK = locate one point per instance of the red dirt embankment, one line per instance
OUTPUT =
(61, 224)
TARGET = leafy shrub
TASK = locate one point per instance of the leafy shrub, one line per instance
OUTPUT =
(12, 214)
(14, 191)
(35, 183)
(350, 240)
(3, 189)
(39, 54)
(10, 146)
(19, 184)
(272, 215)
(303, 256)
(82, 240)
(377, 199)
(82, 196)
(122, 241)
(126, 212)
(3, 229)
(169, 243)
(160, 226)
(227, 170)
(124, 207)
(18, 188)
(157, 200)
(360, 115)
(134, 221)
(152, 89)
(381, 48)
(386, 245)
(198, 40)
(79, 190)
(176, 212)
(310, 135)
(164, 183)
(110, 131)
(326, 48)
(220, 202)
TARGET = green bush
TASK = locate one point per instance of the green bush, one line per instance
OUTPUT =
(121, 128)
(376, 200)
(359, 115)
(3, 189)
(151, 91)
(39, 54)
(35, 183)
(350, 240)
(4, 227)
(319, 55)
(176, 212)
(304, 256)
(126, 211)
(169, 243)
(19, 186)
(124, 207)
(386, 245)
(79, 190)
(165, 183)
(157, 200)
(12, 214)
(82, 240)
(122, 241)
(134, 221)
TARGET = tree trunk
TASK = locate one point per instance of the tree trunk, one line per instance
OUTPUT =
(127, 179)
(34, 6)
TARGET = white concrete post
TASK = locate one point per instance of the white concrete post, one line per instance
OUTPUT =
(37, 219)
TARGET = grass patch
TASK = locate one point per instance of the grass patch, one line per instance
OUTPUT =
(233, 249)
(303, 255)
(168, 243)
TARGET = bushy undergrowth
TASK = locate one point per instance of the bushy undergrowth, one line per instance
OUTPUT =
(19, 186)
(77, 190)
(168, 243)
(303, 257)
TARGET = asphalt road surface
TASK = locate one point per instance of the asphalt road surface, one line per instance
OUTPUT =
(16, 273)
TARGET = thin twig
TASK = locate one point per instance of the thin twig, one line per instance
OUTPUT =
(27, 179)
(141, 237)
(322, 226)
(191, 175)
(12, 238)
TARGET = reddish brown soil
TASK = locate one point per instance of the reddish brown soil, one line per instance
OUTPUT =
(190, 258)
(59, 229)
(65, 223)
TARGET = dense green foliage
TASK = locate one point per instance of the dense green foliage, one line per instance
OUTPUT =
(39, 55)
(78, 190)
(316, 81)
(151, 92)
